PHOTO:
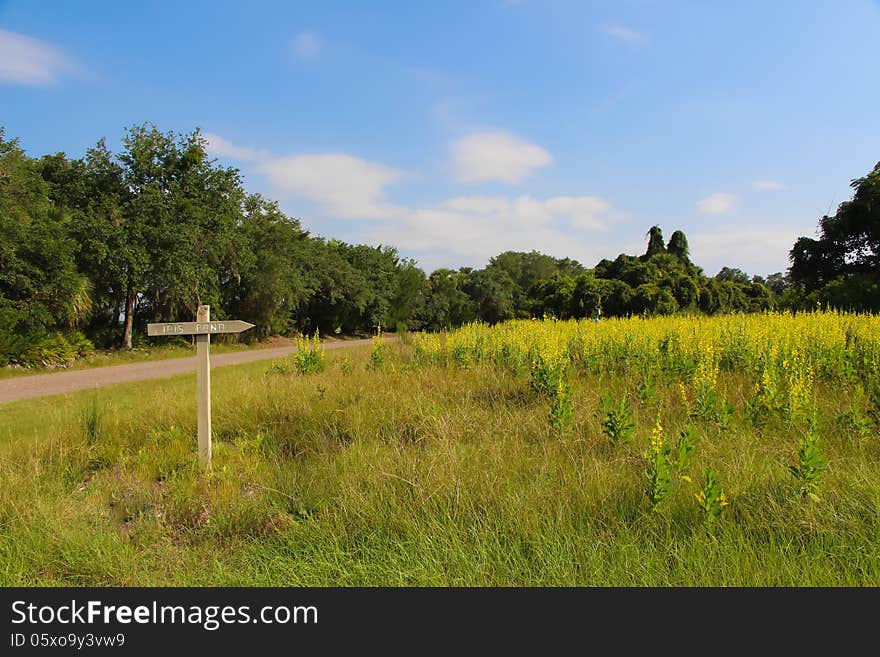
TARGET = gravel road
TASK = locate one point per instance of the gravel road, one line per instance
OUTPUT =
(40, 385)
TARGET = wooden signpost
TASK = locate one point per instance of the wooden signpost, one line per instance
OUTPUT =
(202, 328)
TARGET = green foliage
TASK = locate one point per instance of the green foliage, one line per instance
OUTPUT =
(658, 473)
(618, 423)
(91, 422)
(874, 400)
(684, 451)
(447, 304)
(733, 275)
(547, 373)
(54, 350)
(711, 498)
(767, 400)
(561, 417)
(841, 267)
(810, 464)
(377, 355)
(40, 288)
(309, 356)
(678, 245)
(553, 297)
(12, 346)
(279, 367)
(646, 389)
(712, 406)
(655, 242)
(855, 421)
(408, 297)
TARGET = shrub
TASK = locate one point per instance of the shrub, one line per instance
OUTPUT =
(377, 356)
(55, 350)
(309, 356)
(618, 423)
(811, 464)
(711, 498)
(658, 473)
(561, 409)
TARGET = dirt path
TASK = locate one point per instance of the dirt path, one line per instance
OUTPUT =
(57, 383)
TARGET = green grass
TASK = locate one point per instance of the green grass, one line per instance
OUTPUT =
(409, 476)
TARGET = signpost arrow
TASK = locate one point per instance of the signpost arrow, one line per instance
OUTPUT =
(202, 328)
(199, 328)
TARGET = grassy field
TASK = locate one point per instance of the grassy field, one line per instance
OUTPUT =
(485, 457)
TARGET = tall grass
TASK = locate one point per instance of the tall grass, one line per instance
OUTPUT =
(414, 474)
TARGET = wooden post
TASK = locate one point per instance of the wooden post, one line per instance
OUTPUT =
(202, 328)
(203, 384)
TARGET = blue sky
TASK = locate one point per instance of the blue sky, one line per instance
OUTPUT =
(458, 130)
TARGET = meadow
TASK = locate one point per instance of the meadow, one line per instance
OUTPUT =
(691, 451)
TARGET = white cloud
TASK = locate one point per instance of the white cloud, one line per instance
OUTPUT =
(471, 229)
(478, 204)
(25, 60)
(718, 203)
(496, 156)
(345, 186)
(306, 45)
(755, 248)
(342, 185)
(624, 34)
(583, 211)
(768, 185)
(219, 147)
(464, 229)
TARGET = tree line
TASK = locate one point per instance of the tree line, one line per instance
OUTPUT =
(93, 248)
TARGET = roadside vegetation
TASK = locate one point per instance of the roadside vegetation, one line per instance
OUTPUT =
(107, 357)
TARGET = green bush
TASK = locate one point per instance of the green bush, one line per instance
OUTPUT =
(55, 350)
(309, 356)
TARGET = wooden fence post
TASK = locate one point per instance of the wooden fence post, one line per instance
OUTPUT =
(203, 383)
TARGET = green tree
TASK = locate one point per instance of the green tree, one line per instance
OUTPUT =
(493, 292)
(40, 286)
(528, 270)
(409, 295)
(777, 283)
(733, 275)
(93, 193)
(272, 285)
(678, 245)
(586, 297)
(842, 266)
(340, 293)
(185, 209)
(655, 242)
(652, 299)
(554, 296)
(616, 298)
(156, 225)
(447, 305)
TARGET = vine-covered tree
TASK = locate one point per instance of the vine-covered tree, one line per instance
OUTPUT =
(678, 245)
(655, 242)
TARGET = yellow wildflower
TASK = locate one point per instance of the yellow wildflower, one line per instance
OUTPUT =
(657, 437)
